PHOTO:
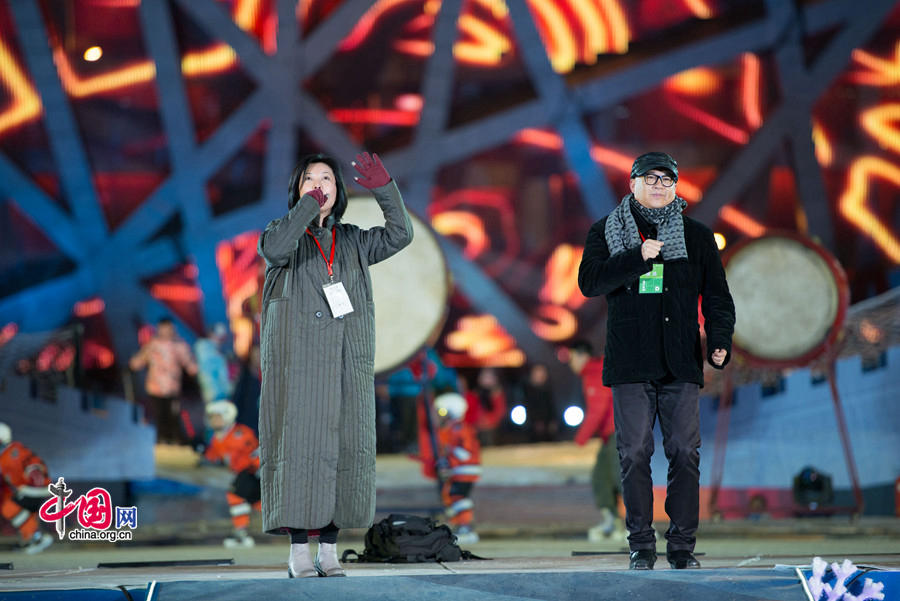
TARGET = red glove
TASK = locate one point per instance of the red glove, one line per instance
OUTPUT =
(318, 195)
(373, 173)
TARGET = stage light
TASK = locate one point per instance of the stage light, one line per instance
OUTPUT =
(605, 156)
(617, 26)
(179, 293)
(482, 341)
(97, 355)
(554, 323)
(541, 138)
(518, 415)
(750, 84)
(64, 359)
(720, 240)
(699, 81)
(215, 59)
(853, 207)
(488, 45)
(710, 121)
(561, 277)
(25, 104)
(700, 9)
(588, 16)
(465, 225)
(93, 54)
(741, 221)
(246, 13)
(411, 103)
(556, 32)
(8, 332)
(824, 149)
(374, 116)
(366, 23)
(879, 121)
(573, 416)
(877, 71)
(88, 308)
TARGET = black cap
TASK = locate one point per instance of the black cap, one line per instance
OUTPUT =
(654, 160)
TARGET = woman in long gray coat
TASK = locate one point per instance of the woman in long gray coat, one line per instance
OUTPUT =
(317, 408)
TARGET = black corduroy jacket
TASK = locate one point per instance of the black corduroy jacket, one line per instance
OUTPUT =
(652, 336)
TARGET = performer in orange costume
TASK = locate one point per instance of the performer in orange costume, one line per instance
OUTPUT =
(458, 464)
(236, 446)
(23, 488)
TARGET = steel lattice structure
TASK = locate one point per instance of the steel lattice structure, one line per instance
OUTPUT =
(112, 263)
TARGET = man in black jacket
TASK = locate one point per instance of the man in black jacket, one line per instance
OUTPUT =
(652, 264)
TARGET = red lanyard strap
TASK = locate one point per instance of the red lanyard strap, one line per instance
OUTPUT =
(329, 262)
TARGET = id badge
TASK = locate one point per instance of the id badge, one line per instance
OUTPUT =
(652, 281)
(337, 298)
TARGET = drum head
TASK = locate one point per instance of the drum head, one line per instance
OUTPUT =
(790, 298)
(411, 289)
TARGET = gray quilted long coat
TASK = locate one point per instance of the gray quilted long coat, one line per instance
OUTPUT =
(317, 408)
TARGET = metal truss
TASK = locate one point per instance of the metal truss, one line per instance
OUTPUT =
(111, 264)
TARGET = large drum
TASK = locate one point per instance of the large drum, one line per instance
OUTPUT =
(411, 289)
(790, 297)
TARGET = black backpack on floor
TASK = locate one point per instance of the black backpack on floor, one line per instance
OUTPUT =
(402, 538)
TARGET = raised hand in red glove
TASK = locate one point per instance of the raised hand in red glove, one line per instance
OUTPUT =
(318, 195)
(372, 172)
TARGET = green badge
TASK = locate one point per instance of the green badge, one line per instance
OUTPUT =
(652, 281)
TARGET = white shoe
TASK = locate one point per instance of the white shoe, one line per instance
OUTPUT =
(597, 534)
(239, 540)
(327, 562)
(465, 535)
(604, 529)
(38, 542)
(300, 564)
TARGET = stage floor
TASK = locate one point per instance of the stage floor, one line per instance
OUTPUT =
(64, 566)
(533, 509)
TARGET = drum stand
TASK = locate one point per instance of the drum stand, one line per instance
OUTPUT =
(726, 399)
(855, 510)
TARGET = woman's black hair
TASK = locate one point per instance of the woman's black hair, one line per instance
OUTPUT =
(340, 205)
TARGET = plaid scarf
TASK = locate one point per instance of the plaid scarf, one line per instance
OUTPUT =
(622, 231)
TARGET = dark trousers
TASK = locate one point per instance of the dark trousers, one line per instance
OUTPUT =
(166, 416)
(636, 408)
(327, 534)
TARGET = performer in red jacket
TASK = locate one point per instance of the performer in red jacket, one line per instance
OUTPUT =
(23, 488)
(458, 465)
(236, 446)
(598, 421)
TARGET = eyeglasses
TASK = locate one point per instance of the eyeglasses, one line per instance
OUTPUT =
(651, 178)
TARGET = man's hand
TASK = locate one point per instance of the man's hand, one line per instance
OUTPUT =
(650, 248)
(372, 172)
(317, 195)
(719, 355)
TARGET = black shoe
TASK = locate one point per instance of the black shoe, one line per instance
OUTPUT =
(682, 560)
(642, 559)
